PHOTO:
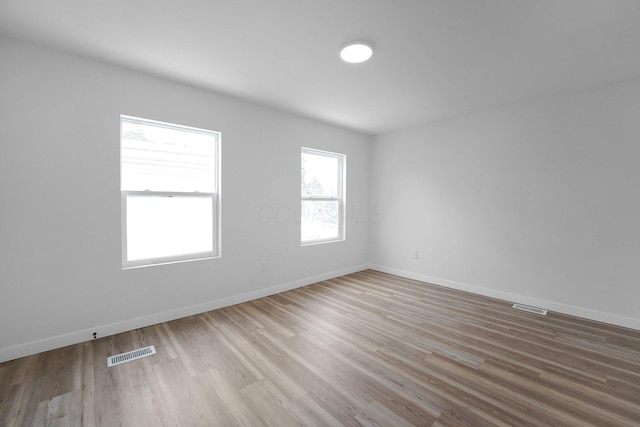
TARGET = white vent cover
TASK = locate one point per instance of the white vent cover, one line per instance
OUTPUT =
(130, 355)
(530, 309)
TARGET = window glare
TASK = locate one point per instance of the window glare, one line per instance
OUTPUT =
(320, 175)
(161, 158)
(320, 220)
(168, 226)
(321, 214)
(170, 192)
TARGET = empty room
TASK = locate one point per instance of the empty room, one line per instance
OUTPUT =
(355, 212)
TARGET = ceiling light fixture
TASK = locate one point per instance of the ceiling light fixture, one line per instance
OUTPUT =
(355, 52)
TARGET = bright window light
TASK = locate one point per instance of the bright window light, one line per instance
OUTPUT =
(170, 192)
(161, 226)
(322, 204)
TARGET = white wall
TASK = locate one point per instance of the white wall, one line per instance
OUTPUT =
(536, 203)
(60, 261)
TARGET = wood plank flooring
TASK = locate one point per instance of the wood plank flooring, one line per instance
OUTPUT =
(367, 349)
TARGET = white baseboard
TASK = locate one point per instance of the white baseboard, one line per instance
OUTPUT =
(38, 346)
(599, 316)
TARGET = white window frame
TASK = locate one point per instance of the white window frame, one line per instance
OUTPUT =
(340, 197)
(214, 197)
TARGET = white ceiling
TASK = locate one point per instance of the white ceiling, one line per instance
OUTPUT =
(433, 59)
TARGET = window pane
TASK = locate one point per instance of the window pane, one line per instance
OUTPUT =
(162, 226)
(320, 175)
(159, 157)
(320, 220)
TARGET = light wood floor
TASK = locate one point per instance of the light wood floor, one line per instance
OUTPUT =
(364, 349)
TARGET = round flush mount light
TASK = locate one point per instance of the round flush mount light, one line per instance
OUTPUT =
(356, 52)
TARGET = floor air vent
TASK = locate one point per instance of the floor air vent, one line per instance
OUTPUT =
(130, 355)
(530, 309)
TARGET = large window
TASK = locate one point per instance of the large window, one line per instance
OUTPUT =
(170, 192)
(322, 209)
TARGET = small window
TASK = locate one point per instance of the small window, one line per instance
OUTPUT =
(322, 207)
(170, 192)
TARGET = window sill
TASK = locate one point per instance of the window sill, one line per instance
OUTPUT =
(321, 242)
(150, 263)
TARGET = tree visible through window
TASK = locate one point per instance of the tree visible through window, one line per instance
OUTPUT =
(322, 188)
(169, 185)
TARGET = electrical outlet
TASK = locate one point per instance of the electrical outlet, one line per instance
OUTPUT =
(415, 254)
(95, 335)
(263, 266)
